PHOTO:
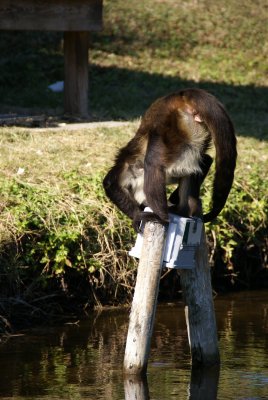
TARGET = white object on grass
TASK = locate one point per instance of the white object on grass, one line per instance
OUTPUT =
(57, 87)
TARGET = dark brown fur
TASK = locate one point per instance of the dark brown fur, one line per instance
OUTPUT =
(170, 147)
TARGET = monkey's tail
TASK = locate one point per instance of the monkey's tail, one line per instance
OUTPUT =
(221, 128)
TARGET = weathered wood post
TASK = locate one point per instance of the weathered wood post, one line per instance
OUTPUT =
(199, 309)
(76, 73)
(145, 300)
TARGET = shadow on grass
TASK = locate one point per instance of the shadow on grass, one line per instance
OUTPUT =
(124, 94)
(31, 62)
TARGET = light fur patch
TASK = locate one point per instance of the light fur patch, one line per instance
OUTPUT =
(188, 163)
(134, 182)
(138, 190)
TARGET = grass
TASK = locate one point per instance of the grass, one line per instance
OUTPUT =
(63, 246)
(191, 37)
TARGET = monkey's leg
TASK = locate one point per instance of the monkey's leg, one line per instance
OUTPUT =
(205, 164)
(186, 196)
(174, 197)
(189, 202)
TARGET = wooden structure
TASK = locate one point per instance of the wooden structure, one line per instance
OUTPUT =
(144, 301)
(76, 18)
(199, 309)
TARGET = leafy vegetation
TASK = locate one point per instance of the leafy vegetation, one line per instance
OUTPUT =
(63, 246)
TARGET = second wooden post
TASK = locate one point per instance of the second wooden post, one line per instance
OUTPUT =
(199, 309)
(76, 73)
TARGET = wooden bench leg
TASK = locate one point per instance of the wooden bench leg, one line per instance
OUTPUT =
(76, 73)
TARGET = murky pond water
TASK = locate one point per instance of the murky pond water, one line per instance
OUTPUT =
(85, 361)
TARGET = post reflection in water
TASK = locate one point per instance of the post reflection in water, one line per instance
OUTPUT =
(203, 385)
(136, 388)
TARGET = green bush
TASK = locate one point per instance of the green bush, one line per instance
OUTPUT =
(65, 239)
(238, 238)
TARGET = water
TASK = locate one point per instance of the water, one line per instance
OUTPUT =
(85, 361)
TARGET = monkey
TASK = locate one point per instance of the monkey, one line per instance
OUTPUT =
(170, 147)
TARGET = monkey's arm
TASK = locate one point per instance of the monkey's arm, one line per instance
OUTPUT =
(155, 179)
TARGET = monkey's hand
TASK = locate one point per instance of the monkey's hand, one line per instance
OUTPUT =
(146, 216)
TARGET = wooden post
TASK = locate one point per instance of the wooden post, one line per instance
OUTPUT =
(76, 73)
(199, 310)
(144, 301)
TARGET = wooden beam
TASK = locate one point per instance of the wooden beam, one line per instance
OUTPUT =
(76, 73)
(51, 15)
(199, 309)
(144, 303)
